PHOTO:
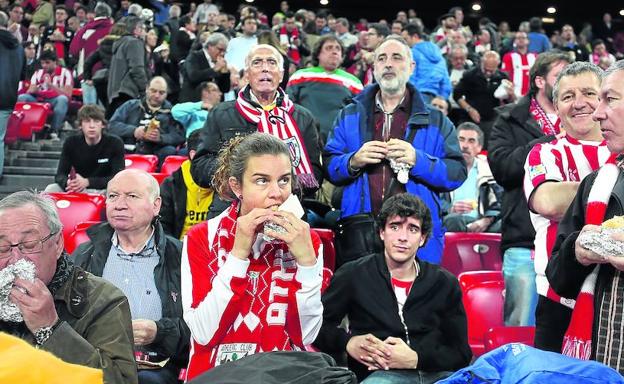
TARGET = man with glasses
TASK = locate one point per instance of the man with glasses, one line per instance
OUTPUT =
(207, 64)
(262, 106)
(146, 125)
(132, 251)
(80, 318)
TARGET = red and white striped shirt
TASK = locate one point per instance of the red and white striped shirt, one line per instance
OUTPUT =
(61, 77)
(566, 159)
(236, 308)
(517, 66)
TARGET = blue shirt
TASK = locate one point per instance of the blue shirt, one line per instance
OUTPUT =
(468, 191)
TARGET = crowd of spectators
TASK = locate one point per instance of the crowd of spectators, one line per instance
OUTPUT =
(452, 127)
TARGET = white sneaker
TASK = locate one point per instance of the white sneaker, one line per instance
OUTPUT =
(54, 136)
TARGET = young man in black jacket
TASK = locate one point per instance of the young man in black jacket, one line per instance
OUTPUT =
(406, 317)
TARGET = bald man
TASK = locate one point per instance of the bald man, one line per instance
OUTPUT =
(132, 251)
(146, 125)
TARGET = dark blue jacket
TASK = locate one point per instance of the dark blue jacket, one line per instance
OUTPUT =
(439, 167)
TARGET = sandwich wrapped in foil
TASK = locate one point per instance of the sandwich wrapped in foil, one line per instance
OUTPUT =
(602, 243)
(23, 269)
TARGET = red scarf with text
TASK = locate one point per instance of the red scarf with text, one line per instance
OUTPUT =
(280, 123)
(542, 119)
(577, 341)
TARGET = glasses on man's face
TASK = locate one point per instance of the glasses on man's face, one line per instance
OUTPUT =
(25, 247)
(260, 63)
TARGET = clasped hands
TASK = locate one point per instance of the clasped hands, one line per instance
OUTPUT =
(391, 353)
(373, 152)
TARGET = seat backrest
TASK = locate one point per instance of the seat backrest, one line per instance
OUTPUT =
(497, 336)
(13, 126)
(78, 235)
(147, 163)
(35, 117)
(329, 250)
(466, 251)
(75, 208)
(172, 163)
(160, 177)
(482, 295)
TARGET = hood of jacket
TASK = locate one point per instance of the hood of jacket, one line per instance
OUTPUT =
(8, 40)
(429, 51)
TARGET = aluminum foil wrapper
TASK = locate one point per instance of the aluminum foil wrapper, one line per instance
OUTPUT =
(401, 169)
(602, 243)
(272, 227)
(23, 269)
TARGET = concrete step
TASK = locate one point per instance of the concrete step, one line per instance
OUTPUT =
(12, 170)
(27, 162)
(11, 183)
(54, 146)
(43, 154)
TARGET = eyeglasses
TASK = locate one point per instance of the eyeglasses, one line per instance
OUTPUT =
(25, 247)
(259, 63)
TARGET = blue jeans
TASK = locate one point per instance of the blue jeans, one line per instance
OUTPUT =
(158, 376)
(520, 288)
(4, 119)
(89, 95)
(405, 376)
(59, 104)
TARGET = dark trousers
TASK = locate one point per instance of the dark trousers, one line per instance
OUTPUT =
(356, 237)
(116, 103)
(551, 322)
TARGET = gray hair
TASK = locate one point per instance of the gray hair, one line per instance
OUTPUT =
(615, 67)
(343, 21)
(4, 20)
(44, 203)
(252, 51)
(461, 47)
(470, 126)
(135, 9)
(175, 11)
(103, 10)
(400, 40)
(152, 187)
(215, 39)
(575, 69)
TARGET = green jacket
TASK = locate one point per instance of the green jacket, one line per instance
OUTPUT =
(95, 328)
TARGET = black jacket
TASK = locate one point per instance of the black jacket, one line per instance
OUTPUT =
(513, 135)
(196, 70)
(172, 335)
(225, 122)
(434, 314)
(173, 209)
(103, 55)
(565, 274)
(11, 64)
(479, 92)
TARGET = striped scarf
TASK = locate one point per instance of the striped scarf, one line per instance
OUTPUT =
(577, 341)
(279, 122)
(542, 119)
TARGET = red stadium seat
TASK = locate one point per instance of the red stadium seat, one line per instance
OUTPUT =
(172, 163)
(482, 295)
(78, 235)
(329, 250)
(35, 117)
(467, 251)
(160, 177)
(497, 336)
(148, 163)
(75, 208)
(13, 126)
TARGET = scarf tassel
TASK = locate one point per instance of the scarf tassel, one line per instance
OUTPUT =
(307, 180)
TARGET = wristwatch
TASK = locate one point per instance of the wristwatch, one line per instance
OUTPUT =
(43, 334)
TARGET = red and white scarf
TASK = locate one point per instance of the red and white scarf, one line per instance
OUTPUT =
(293, 50)
(280, 123)
(577, 341)
(542, 119)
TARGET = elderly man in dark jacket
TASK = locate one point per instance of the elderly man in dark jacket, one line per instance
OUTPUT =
(132, 251)
(146, 124)
(206, 64)
(262, 107)
(128, 72)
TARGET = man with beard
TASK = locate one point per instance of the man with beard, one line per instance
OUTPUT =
(518, 128)
(385, 142)
(553, 173)
(64, 310)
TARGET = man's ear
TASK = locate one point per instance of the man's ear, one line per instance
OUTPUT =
(540, 82)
